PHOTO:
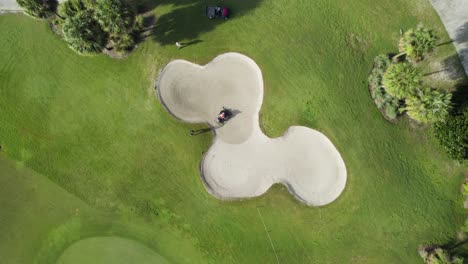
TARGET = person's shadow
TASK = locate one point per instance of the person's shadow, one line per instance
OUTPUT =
(200, 131)
(190, 43)
(234, 113)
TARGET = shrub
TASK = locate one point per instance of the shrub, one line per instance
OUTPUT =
(375, 78)
(381, 62)
(391, 111)
(124, 42)
(428, 105)
(465, 189)
(138, 24)
(417, 43)
(401, 79)
(385, 102)
(83, 33)
(452, 134)
(437, 255)
(37, 8)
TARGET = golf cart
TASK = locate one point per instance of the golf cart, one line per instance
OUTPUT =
(224, 115)
(217, 12)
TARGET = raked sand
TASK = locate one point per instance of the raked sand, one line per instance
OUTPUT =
(243, 162)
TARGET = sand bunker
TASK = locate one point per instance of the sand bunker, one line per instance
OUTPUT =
(243, 162)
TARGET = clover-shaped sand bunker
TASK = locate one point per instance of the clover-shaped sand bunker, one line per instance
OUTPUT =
(243, 162)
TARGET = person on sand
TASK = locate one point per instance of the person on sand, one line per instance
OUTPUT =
(221, 117)
(224, 115)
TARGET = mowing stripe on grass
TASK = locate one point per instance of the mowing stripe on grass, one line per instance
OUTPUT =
(268, 234)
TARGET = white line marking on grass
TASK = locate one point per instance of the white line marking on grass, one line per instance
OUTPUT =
(268, 234)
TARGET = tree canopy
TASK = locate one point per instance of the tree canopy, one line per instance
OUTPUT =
(71, 7)
(115, 16)
(83, 33)
(428, 105)
(92, 25)
(419, 42)
(401, 79)
(452, 134)
(37, 8)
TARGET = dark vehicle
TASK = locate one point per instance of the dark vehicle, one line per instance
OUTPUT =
(217, 12)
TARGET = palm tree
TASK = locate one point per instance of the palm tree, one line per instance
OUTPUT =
(70, 8)
(401, 79)
(115, 16)
(418, 43)
(37, 8)
(124, 42)
(428, 105)
(83, 33)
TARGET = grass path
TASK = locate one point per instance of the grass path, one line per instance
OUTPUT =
(93, 126)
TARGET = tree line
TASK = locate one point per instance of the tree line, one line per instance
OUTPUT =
(90, 26)
(397, 86)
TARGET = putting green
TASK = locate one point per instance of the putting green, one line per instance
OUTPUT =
(115, 250)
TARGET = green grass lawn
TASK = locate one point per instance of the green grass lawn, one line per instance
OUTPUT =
(30, 205)
(94, 128)
(40, 220)
(115, 250)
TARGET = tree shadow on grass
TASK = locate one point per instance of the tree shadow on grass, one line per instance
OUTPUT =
(187, 20)
(453, 69)
(462, 37)
(462, 34)
(143, 6)
(464, 57)
(460, 97)
(445, 43)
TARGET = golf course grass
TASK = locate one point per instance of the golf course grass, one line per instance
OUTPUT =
(116, 250)
(243, 162)
(96, 138)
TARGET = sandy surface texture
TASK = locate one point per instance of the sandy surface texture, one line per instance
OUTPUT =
(243, 162)
(454, 15)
